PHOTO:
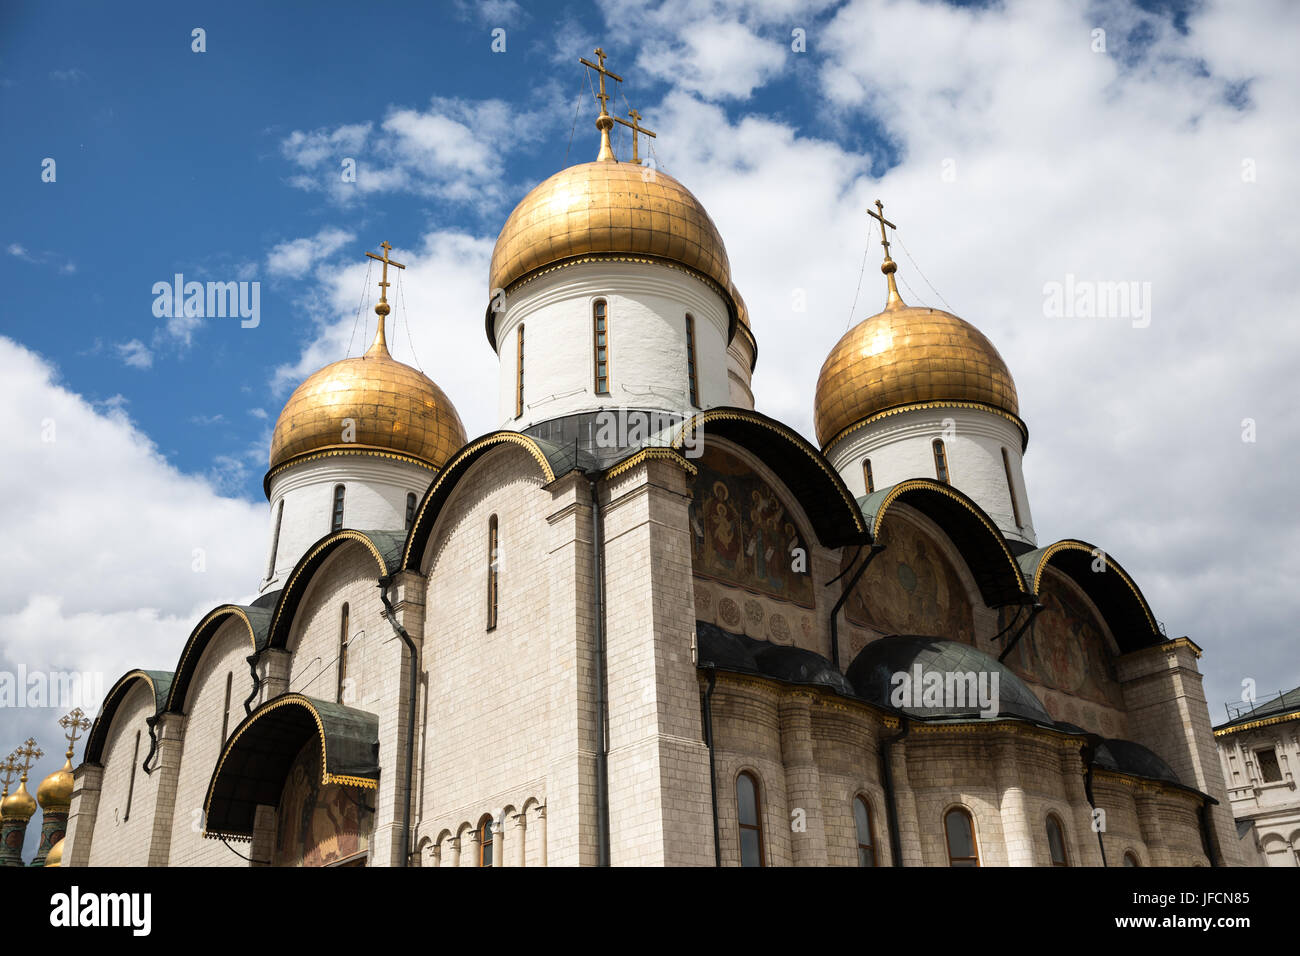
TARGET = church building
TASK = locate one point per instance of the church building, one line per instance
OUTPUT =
(642, 623)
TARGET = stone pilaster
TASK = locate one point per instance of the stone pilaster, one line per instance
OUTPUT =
(262, 847)
(169, 730)
(273, 668)
(518, 834)
(909, 824)
(539, 827)
(1148, 814)
(1087, 849)
(87, 783)
(1013, 808)
(802, 781)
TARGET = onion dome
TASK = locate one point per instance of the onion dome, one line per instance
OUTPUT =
(907, 356)
(55, 791)
(393, 408)
(18, 805)
(55, 856)
(611, 210)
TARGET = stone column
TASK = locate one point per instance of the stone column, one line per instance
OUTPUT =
(471, 855)
(539, 814)
(1148, 814)
(453, 852)
(1017, 833)
(435, 855)
(519, 832)
(169, 730)
(1088, 850)
(88, 781)
(802, 781)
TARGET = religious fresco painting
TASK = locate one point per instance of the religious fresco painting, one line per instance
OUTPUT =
(911, 588)
(1066, 648)
(741, 534)
(319, 825)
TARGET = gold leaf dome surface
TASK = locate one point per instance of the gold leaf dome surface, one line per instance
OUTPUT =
(55, 856)
(18, 805)
(905, 356)
(55, 791)
(394, 407)
(607, 207)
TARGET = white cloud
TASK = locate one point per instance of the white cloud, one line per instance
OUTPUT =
(135, 354)
(111, 554)
(298, 256)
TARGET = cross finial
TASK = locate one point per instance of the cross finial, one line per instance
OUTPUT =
(8, 770)
(74, 724)
(382, 309)
(636, 127)
(889, 266)
(604, 122)
(26, 755)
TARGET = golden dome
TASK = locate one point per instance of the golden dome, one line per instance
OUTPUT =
(394, 408)
(610, 208)
(55, 856)
(55, 791)
(18, 805)
(908, 356)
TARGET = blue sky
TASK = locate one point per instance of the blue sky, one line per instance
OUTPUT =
(1011, 151)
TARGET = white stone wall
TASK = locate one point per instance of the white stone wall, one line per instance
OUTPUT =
(374, 499)
(119, 839)
(202, 742)
(901, 447)
(647, 305)
(1275, 806)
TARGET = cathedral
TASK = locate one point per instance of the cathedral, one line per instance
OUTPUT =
(642, 623)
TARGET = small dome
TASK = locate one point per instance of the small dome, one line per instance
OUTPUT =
(394, 408)
(872, 676)
(18, 805)
(55, 856)
(908, 356)
(610, 208)
(55, 791)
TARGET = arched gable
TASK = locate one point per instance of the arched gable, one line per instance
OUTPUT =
(972, 532)
(552, 461)
(158, 682)
(255, 761)
(384, 546)
(1115, 595)
(256, 621)
(820, 490)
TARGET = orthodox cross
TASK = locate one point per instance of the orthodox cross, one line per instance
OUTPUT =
(636, 127)
(7, 771)
(602, 95)
(28, 753)
(884, 239)
(71, 723)
(383, 283)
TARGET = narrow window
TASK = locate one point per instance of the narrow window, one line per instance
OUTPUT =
(130, 787)
(493, 544)
(485, 843)
(1056, 841)
(337, 523)
(959, 830)
(940, 461)
(519, 375)
(1130, 859)
(751, 830)
(275, 540)
(225, 717)
(410, 510)
(601, 345)
(1011, 489)
(866, 833)
(690, 360)
(1268, 768)
(868, 480)
(343, 651)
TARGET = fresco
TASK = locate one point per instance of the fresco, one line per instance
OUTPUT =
(319, 825)
(911, 588)
(741, 534)
(1066, 649)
